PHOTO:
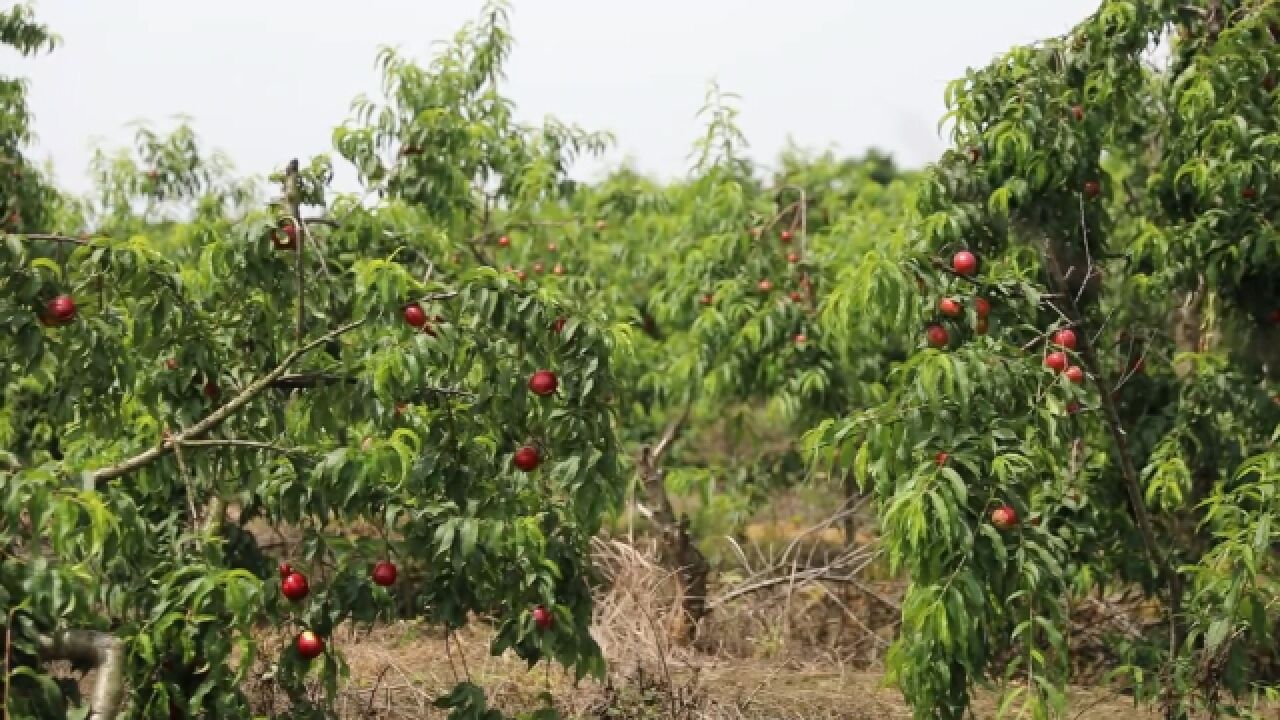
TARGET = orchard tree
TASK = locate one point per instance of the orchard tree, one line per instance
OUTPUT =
(316, 364)
(1092, 403)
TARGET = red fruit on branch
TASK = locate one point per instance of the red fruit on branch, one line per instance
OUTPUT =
(706, 299)
(1073, 407)
(1004, 518)
(1065, 338)
(527, 458)
(294, 586)
(1075, 374)
(793, 258)
(1077, 112)
(504, 241)
(982, 306)
(1056, 361)
(786, 236)
(949, 307)
(964, 262)
(415, 316)
(384, 573)
(941, 458)
(801, 339)
(796, 296)
(60, 310)
(1092, 188)
(937, 336)
(557, 327)
(542, 617)
(310, 645)
(211, 390)
(764, 285)
(543, 383)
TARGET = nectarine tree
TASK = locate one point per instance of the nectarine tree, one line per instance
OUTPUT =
(1126, 221)
(213, 378)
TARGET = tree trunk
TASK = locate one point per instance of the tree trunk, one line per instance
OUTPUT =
(678, 550)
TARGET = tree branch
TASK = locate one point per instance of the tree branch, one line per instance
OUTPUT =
(1120, 441)
(104, 652)
(91, 479)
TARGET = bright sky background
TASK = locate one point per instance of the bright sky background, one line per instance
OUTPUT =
(269, 79)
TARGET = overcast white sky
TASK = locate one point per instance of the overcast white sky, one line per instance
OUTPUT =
(269, 79)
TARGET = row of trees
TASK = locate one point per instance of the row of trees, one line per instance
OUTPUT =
(1052, 358)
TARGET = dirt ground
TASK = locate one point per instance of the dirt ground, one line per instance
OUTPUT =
(803, 651)
(397, 671)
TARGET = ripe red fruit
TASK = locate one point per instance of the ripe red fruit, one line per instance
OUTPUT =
(801, 339)
(384, 573)
(543, 382)
(974, 154)
(1092, 188)
(982, 306)
(309, 645)
(1056, 361)
(542, 618)
(285, 570)
(527, 458)
(1066, 338)
(414, 315)
(765, 286)
(706, 299)
(171, 363)
(964, 262)
(949, 307)
(1004, 518)
(1073, 407)
(290, 232)
(796, 296)
(504, 241)
(941, 458)
(793, 258)
(294, 586)
(210, 389)
(1075, 374)
(1077, 112)
(937, 336)
(557, 327)
(786, 236)
(61, 309)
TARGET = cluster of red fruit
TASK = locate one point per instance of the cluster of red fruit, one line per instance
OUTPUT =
(539, 267)
(1057, 360)
(416, 317)
(765, 285)
(294, 586)
(963, 263)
